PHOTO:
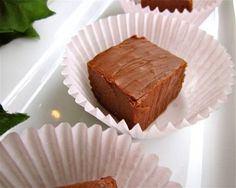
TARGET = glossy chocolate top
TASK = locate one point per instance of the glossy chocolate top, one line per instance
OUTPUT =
(135, 65)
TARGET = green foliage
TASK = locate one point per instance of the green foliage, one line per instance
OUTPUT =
(17, 16)
(8, 121)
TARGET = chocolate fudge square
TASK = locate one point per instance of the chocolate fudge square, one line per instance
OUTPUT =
(171, 5)
(136, 80)
(106, 182)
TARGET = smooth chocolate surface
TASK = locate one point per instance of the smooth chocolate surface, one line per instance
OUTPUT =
(171, 5)
(107, 182)
(136, 80)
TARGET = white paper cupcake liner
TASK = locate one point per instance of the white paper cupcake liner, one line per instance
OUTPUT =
(52, 157)
(201, 10)
(208, 80)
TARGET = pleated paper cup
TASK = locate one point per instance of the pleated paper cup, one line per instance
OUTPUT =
(201, 10)
(208, 80)
(64, 155)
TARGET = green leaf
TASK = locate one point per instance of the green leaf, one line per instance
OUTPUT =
(7, 37)
(30, 32)
(8, 120)
(17, 16)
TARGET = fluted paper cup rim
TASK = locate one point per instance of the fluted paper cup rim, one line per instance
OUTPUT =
(36, 145)
(198, 15)
(136, 131)
(214, 3)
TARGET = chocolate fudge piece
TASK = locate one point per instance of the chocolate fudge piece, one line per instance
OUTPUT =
(171, 5)
(136, 80)
(107, 182)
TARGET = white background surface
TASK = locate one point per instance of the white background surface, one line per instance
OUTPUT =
(199, 156)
